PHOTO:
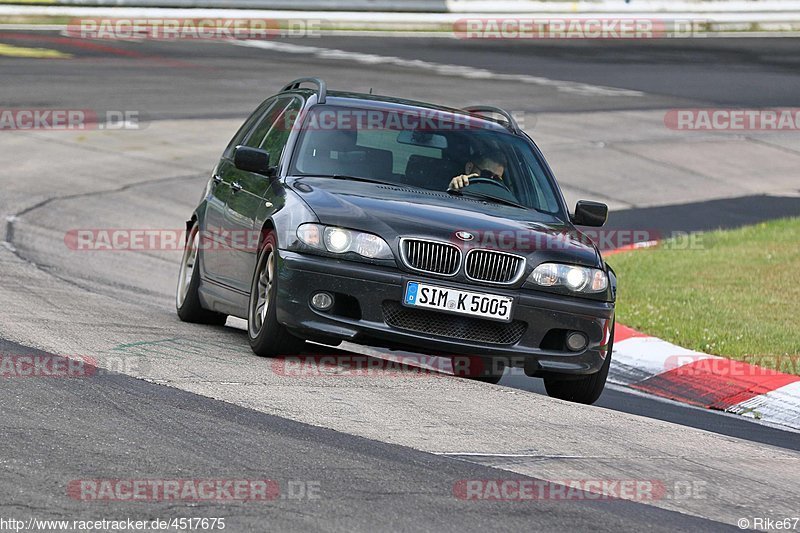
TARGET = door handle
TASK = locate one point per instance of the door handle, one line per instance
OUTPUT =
(236, 187)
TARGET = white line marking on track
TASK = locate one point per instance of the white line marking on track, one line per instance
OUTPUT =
(443, 69)
(512, 455)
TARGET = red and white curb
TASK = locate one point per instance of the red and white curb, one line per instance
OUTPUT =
(654, 366)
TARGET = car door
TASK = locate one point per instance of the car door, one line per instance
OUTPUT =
(249, 192)
(214, 220)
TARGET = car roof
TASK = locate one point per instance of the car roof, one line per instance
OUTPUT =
(354, 99)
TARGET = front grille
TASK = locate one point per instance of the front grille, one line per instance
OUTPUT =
(431, 256)
(452, 326)
(495, 267)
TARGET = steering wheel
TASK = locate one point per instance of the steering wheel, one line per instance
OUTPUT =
(489, 181)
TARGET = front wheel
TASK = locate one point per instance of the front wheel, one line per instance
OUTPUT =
(586, 389)
(268, 338)
(187, 300)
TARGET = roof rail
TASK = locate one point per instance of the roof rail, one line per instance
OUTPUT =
(322, 87)
(484, 109)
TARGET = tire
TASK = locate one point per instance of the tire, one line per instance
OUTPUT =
(586, 389)
(267, 337)
(187, 300)
(482, 369)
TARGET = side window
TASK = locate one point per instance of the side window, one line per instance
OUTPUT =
(267, 121)
(542, 196)
(247, 126)
(275, 140)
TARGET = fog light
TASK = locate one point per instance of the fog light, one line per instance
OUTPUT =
(322, 301)
(577, 342)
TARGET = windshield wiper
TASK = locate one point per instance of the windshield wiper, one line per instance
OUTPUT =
(490, 197)
(351, 178)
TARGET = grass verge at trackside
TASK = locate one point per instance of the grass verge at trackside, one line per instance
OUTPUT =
(736, 295)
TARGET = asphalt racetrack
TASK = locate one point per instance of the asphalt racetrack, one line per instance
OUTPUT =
(170, 400)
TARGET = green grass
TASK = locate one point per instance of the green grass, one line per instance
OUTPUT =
(35, 19)
(736, 294)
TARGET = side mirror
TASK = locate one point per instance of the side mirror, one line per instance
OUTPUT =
(589, 213)
(253, 160)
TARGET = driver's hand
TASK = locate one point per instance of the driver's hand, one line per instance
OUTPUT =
(459, 182)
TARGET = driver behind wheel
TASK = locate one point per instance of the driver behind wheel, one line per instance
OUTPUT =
(487, 166)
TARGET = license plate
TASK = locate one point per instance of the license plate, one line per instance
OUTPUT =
(457, 301)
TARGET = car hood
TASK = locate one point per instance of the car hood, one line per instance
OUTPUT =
(394, 212)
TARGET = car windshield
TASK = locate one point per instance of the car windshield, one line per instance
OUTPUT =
(409, 149)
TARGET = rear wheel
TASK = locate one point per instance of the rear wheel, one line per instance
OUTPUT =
(187, 301)
(267, 337)
(586, 389)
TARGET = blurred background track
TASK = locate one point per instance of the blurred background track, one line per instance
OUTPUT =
(597, 110)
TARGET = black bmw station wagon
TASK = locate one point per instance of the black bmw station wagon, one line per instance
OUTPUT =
(400, 224)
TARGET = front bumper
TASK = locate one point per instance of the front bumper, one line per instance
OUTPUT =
(377, 292)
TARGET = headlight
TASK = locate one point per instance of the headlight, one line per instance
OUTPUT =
(574, 278)
(341, 241)
(337, 240)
